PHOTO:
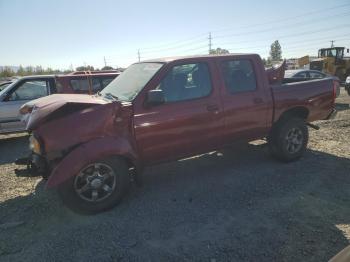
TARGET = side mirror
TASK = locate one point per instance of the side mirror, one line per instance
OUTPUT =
(347, 50)
(155, 97)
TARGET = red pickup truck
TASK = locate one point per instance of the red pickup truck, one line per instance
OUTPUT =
(163, 110)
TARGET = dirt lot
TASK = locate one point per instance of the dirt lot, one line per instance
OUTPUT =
(234, 205)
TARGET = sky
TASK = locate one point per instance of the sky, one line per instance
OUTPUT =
(62, 33)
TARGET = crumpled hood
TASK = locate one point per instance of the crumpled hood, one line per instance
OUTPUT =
(36, 111)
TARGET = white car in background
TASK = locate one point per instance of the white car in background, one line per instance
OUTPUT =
(347, 84)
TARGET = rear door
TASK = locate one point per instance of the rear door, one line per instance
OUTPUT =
(20, 94)
(188, 122)
(246, 103)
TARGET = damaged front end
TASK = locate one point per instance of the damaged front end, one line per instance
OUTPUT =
(36, 164)
(59, 123)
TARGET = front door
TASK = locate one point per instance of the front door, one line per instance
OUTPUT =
(188, 121)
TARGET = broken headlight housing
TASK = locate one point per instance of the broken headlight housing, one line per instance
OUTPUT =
(34, 145)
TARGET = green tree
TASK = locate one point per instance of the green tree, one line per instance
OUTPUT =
(85, 68)
(7, 72)
(107, 68)
(276, 51)
(218, 51)
(39, 70)
(29, 70)
(21, 71)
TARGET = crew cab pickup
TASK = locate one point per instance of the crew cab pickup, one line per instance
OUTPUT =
(27, 88)
(164, 110)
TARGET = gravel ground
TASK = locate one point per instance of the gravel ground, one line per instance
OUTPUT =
(238, 204)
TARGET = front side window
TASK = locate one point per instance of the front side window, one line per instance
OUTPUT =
(185, 82)
(239, 75)
(30, 90)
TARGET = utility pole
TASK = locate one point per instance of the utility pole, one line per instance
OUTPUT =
(104, 60)
(210, 44)
(138, 55)
(332, 43)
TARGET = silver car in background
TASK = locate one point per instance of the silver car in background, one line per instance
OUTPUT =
(14, 95)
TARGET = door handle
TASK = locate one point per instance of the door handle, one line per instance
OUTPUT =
(212, 108)
(257, 100)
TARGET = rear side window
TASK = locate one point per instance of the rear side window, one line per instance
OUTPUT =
(106, 80)
(83, 86)
(239, 75)
(301, 75)
(316, 75)
(185, 82)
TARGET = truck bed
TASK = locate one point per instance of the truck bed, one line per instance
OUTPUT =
(315, 95)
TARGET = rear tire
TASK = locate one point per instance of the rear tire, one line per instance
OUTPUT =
(288, 139)
(97, 187)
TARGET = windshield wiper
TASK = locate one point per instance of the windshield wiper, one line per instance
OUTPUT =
(110, 95)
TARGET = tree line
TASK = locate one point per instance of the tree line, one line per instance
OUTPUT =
(275, 56)
(7, 71)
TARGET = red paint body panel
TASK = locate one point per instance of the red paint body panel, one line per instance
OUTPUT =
(90, 152)
(147, 135)
(247, 114)
(46, 105)
(178, 129)
(315, 95)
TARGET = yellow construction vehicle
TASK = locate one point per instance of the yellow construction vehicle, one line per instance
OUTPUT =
(332, 61)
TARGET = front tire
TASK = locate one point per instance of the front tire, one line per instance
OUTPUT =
(98, 186)
(288, 139)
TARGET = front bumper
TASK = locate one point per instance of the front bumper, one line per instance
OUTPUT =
(36, 165)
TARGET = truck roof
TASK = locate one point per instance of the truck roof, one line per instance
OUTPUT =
(36, 76)
(171, 59)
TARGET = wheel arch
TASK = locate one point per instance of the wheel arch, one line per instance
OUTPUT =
(93, 150)
(298, 111)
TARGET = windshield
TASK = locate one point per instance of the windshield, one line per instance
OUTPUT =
(131, 81)
(2, 86)
(4, 89)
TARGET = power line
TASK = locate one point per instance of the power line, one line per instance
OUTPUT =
(295, 34)
(294, 42)
(307, 23)
(210, 44)
(198, 39)
(286, 18)
(176, 42)
(174, 47)
(237, 34)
